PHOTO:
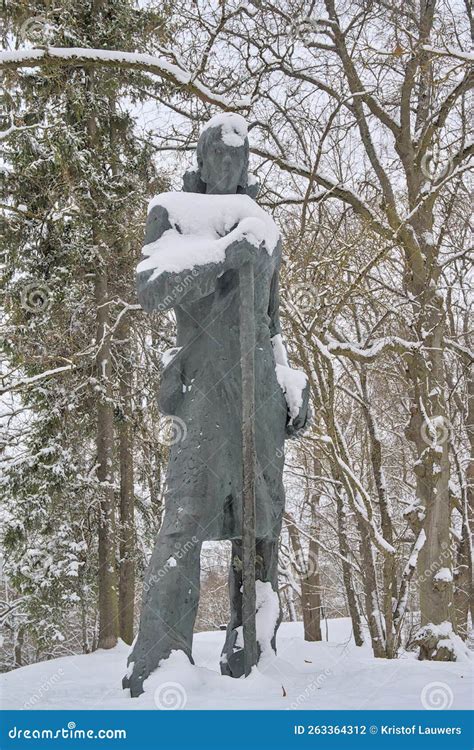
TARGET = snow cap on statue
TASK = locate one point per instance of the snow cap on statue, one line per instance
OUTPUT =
(232, 130)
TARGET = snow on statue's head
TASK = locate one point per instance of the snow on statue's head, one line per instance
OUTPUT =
(222, 158)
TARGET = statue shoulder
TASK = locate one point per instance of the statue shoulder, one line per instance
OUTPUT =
(252, 187)
(157, 223)
(192, 182)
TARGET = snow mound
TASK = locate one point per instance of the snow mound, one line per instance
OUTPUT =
(328, 675)
(202, 228)
(445, 638)
(177, 681)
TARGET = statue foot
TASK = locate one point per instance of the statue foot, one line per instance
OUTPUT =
(139, 671)
(232, 661)
(134, 682)
(232, 657)
(233, 665)
(135, 685)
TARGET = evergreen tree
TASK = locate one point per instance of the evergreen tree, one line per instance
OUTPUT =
(76, 183)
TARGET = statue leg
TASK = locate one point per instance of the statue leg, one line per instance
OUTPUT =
(232, 657)
(170, 600)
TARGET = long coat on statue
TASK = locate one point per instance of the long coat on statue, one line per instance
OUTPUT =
(195, 244)
(201, 387)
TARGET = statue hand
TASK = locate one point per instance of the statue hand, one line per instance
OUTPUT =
(240, 252)
(299, 424)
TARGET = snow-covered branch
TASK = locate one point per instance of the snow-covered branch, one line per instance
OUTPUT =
(29, 382)
(353, 351)
(83, 57)
(457, 54)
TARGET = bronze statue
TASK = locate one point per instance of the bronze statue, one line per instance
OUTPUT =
(201, 387)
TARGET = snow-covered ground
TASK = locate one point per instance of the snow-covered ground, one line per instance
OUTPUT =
(328, 675)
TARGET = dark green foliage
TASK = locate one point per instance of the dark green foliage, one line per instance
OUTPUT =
(63, 188)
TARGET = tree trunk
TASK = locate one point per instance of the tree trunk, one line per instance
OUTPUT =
(428, 428)
(311, 580)
(18, 648)
(107, 575)
(463, 573)
(311, 599)
(310, 585)
(462, 581)
(389, 567)
(127, 497)
(346, 571)
(108, 605)
(290, 602)
(429, 431)
(84, 635)
(372, 606)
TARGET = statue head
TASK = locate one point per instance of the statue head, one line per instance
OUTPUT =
(222, 158)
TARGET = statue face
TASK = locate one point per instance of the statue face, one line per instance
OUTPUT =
(222, 165)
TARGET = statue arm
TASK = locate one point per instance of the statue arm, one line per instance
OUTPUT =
(157, 224)
(170, 288)
(298, 424)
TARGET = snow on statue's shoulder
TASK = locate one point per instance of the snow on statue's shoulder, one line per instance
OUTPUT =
(202, 227)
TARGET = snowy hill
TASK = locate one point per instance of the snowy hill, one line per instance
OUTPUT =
(328, 675)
